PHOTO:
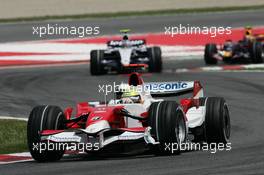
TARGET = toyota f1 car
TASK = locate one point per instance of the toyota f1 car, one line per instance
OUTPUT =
(133, 117)
(247, 49)
(126, 55)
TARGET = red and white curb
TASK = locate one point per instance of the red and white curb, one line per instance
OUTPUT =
(249, 67)
(49, 52)
(15, 158)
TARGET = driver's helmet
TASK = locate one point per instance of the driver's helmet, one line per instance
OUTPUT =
(125, 41)
(125, 37)
(249, 37)
(248, 31)
(131, 96)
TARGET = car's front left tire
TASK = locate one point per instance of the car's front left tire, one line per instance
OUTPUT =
(44, 118)
(168, 127)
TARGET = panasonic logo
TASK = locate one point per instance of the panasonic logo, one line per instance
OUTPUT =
(166, 86)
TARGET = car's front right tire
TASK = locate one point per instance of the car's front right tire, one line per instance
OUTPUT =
(96, 66)
(256, 52)
(217, 125)
(155, 59)
(209, 51)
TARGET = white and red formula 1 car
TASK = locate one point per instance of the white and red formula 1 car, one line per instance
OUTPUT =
(133, 117)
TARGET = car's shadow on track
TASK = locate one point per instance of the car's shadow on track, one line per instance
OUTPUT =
(113, 156)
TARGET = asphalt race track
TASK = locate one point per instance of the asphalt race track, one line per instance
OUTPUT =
(23, 88)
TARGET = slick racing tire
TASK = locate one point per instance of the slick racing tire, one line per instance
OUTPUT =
(155, 60)
(96, 67)
(44, 118)
(168, 127)
(209, 51)
(256, 52)
(217, 121)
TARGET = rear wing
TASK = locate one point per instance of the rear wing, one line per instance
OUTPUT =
(132, 42)
(165, 89)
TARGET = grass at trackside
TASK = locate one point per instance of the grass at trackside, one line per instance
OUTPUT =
(13, 136)
(131, 13)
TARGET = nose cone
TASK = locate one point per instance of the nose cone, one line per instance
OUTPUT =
(97, 126)
(106, 116)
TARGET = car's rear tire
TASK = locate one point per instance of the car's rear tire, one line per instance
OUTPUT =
(217, 121)
(209, 51)
(44, 118)
(96, 67)
(168, 127)
(256, 52)
(155, 59)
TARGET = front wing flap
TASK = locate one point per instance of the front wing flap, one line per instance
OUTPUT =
(102, 139)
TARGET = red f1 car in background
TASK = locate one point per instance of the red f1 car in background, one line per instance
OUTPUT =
(126, 55)
(133, 117)
(249, 49)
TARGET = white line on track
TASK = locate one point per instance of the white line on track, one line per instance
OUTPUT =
(224, 68)
(43, 65)
(13, 118)
(17, 161)
(23, 154)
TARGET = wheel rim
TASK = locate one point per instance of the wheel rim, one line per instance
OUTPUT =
(226, 122)
(180, 129)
